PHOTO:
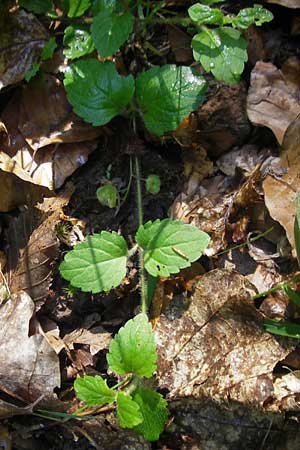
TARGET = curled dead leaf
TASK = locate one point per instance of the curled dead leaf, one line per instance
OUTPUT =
(280, 191)
(273, 97)
(29, 368)
(33, 246)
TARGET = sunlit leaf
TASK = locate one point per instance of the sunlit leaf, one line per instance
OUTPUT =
(170, 245)
(77, 41)
(167, 95)
(97, 264)
(133, 349)
(128, 411)
(222, 51)
(94, 390)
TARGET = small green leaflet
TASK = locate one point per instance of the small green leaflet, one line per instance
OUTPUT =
(257, 15)
(96, 91)
(36, 6)
(153, 184)
(133, 349)
(77, 41)
(170, 245)
(222, 51)
(97, 264)
(75, 8)
(94, 390)
(154, 409)
(32, 71)
(48, 49)
(107, 195)
(297, 227)
(110, 31)
(128, 411)
(167, 95)
(287, 329)
(202, 14)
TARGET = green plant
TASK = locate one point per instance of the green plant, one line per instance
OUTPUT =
(99, 264)
(162, 96)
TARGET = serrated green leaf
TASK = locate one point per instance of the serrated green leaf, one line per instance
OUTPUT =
(170, 245)
(93, 390)
(107, 195)
(153, 184)
(167, 95)
(257, 15)
(48, 49)
(222, 51)
(128, 411)
(32, 71)
(203, 14)
(96, 91)
(110, 31)
(97, 264)
(287, 329)
(36, 6)
(77, 41)
(75, 8)
(133, 349)
(297, 227)
(102, 5)
(154, 409)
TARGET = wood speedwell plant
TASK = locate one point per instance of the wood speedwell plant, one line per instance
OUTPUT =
(162, 97)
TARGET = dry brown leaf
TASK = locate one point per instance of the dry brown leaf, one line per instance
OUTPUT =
(280, 191)
(29, 368)
(22, 39)
(33, 246)
(97, 338)
(215, 346)
(273, 97)
(180, 43)
(44, 118)
(15, 191)
(287, 3)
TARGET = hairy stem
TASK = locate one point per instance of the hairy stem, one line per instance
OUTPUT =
(141, 251)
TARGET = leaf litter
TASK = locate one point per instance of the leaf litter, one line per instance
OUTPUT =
(223, 374)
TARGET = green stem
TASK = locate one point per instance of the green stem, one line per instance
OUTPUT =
(278, 286)
(235, 247)
(141, 251)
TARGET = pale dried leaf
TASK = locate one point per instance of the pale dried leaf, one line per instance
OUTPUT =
(215, 345)
(29, 368)
(273, 97)
(97, 338)
(280, 191)
(46, 117)
(294, 4)
(33, 246)
(47, 121)
(15, 192)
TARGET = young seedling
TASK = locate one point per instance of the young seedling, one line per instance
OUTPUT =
(99, 264)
